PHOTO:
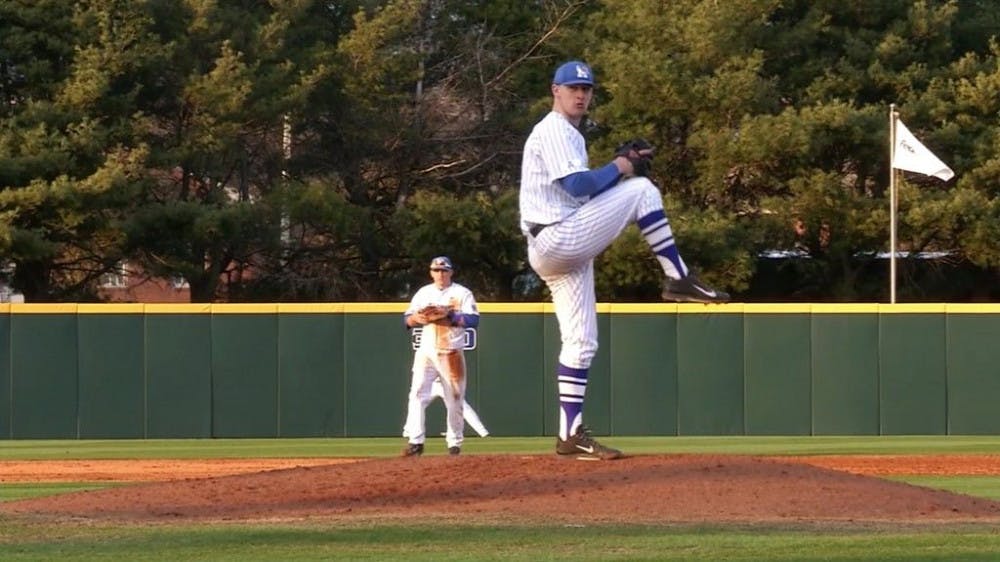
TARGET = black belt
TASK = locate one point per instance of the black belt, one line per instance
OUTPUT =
(536, 229)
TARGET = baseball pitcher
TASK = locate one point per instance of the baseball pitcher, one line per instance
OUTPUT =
(570, 214)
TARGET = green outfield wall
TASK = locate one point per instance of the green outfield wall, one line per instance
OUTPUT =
(107, 371)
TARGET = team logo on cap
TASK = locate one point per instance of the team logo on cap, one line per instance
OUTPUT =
(582, 71)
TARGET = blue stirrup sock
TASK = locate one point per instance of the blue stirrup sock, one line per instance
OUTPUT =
(572, 388)
(655, 229)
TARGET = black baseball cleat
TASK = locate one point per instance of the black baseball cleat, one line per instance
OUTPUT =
(584, 447)
(691, 289)
(413, 450)
(454, 451)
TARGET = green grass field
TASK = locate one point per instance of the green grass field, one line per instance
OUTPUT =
(27, 539)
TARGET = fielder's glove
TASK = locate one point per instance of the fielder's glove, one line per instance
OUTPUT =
(640, 153)
(433, 313)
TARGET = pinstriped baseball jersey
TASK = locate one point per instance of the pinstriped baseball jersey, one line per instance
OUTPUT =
(562, 254)
(554, 150)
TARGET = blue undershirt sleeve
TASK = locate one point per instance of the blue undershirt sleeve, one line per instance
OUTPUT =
(591, 182)
(468, 320)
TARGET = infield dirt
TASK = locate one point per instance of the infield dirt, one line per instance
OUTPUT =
(518, 488)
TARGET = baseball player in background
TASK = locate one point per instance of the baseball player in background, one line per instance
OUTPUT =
(444, 309)
(469, 414)
(569, 215)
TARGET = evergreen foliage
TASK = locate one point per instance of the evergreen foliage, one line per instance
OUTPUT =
(305, 150)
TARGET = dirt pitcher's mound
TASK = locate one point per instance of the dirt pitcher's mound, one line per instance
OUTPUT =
(646, 489)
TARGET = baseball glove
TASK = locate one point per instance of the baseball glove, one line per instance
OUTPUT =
(433, 312)
(640, 153)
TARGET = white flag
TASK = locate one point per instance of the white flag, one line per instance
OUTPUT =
(910, 154)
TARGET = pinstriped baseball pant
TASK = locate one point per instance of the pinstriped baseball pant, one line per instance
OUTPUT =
(563, 256)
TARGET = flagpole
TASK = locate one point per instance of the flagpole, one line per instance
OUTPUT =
(892, 203)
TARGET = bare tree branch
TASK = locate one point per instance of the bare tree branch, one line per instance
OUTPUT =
(568, 11)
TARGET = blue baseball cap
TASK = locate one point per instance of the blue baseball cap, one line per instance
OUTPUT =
(441, 262)
(573, 72)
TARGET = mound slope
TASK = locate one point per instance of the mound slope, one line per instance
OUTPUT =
(638, 489)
